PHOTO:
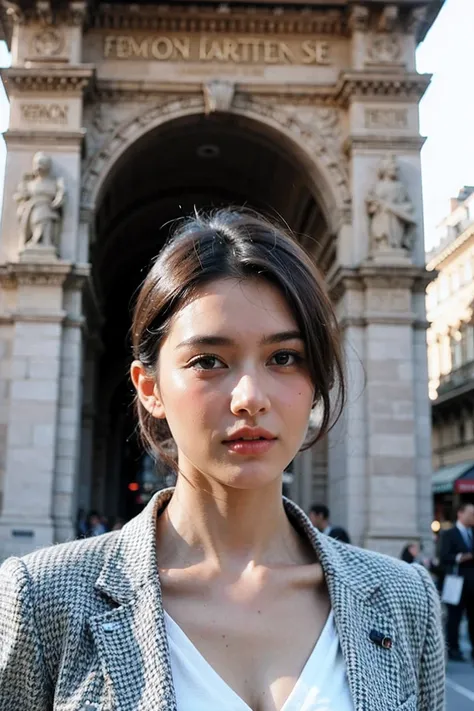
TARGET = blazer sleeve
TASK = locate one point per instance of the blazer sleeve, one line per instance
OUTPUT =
(432, 671)
(24, 679)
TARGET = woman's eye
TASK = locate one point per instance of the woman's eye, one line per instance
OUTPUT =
(286, 358)
(207, 363)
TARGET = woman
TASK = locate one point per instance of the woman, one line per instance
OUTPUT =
(220, 595)
(410, 553)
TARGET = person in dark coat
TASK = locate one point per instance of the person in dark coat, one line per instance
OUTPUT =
(319, 516)
(457, 555)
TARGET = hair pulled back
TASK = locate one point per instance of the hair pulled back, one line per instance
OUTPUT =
(239, 244)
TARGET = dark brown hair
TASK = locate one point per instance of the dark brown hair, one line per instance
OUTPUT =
(239, 244)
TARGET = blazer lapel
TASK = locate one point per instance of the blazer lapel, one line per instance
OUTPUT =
(378, 677)
(131, 637)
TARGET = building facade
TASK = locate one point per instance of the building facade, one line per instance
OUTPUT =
(125, 117)
(450, 301)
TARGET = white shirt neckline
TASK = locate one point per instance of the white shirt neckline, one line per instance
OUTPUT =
(315, 660)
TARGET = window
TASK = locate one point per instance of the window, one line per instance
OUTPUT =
(456, 350)
(468, 271)
(443, 287)
(455, 281)
(468, 342)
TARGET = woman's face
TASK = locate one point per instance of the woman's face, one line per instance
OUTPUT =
(232, 368)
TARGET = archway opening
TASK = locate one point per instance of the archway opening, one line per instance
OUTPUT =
(193, 162)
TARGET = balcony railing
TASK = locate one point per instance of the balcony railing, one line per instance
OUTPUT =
(463, 375)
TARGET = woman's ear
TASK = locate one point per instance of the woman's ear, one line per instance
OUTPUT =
(147, 390)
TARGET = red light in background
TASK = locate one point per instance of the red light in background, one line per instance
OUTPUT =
(133, 486)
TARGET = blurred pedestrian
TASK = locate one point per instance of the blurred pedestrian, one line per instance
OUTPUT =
(96, 527)
(411, 552)
(319, 516)
(457, 556)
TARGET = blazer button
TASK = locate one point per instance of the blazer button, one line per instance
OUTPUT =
(89, 706)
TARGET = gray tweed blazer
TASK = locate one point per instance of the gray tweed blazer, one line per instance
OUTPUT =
(82, 625)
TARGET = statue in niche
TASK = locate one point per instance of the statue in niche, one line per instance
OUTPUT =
(40, 197)
(390, 210)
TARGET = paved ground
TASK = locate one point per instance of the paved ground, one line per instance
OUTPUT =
(460, 681)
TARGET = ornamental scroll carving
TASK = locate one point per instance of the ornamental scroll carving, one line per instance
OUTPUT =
(390, 211)
(218, 95)
(41, 198)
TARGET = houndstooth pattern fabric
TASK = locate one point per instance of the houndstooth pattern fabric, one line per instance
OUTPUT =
(82, 625)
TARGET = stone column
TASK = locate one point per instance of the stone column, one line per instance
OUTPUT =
(379, 458)
(41, 279)
(26, 520)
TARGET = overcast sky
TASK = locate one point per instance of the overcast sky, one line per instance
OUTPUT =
(446, 111)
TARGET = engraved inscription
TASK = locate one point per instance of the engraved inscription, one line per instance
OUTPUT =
(56, 114)
(386, 118)
(235, 50)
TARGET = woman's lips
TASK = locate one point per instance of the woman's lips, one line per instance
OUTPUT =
(250, 446)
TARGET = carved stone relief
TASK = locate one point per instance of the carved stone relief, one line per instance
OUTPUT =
(218, 95)
(318, 140)
(40, 197)
(384, 48)
(47, 43)
(391, 212)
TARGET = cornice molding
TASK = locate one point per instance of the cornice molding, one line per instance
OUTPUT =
(383, 276)
(220, 19)
(380, 85)
(383, 143)
(71, 140)
(46, 13)
(48, 78)
(439, 255)
(354, 85)
(14, 274)
(261, 19)
(117, 90)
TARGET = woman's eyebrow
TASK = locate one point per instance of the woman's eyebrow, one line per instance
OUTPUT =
(203, 341)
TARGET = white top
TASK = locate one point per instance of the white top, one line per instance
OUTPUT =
(322, 685)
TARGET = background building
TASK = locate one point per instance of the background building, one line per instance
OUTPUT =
(450, 301)
(140, 113)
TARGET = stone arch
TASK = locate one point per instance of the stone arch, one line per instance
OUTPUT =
(313, 146)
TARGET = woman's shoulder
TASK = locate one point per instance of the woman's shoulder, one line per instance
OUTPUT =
(61, 567)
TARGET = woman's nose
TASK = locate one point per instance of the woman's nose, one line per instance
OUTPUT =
(248, 396)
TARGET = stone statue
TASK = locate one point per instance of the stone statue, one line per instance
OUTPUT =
(40, 197)
(391, 212)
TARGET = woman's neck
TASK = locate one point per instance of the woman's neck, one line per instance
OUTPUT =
(208, 522)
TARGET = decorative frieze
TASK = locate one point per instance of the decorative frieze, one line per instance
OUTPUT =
(224, 19)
